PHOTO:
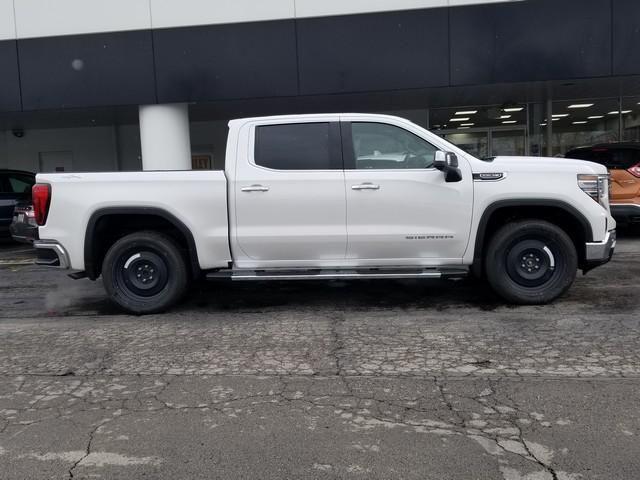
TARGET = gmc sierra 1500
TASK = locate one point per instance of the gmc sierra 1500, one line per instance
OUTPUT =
(329, 196)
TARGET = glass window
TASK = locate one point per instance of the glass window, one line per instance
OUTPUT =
(301, 146)
(584, 123)
(20, 183)
(630, 113)
(381, 146)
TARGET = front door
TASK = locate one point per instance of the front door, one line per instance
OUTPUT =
(400, 210)
(289, 197)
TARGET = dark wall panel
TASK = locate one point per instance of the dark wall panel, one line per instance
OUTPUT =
(626, 37)
(87, 70)
(382, 51)
(226, 61)
(531, 40)
(9, 79)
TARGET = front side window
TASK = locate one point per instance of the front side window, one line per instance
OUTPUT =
(381, 146)
(301, 146)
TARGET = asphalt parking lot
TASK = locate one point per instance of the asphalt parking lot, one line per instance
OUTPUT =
(388, 379)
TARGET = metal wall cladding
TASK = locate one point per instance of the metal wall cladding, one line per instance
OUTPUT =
(9, 77)
(87, 70)
(533, 40)
(530, 41)
(226, 61)
(626, 37)
(382, 51)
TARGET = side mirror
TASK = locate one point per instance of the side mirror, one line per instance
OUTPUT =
(444, 160)
(440, 160)
(447, 162)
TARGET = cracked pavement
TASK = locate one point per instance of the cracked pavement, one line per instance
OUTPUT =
(387, 379)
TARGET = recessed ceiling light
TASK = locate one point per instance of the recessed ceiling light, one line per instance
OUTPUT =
(560, 115)
(513, 109)
(467, 124)
(555, 119)
(595, 117)
(615, 112)
(581, 105)
(467, 112)
(582, 122)
(543, 124)
(626, 111)
(510, 121)
(504, 117)
(460, 119)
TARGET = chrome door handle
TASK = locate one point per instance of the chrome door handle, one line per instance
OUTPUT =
(365, 186)
(255, 188)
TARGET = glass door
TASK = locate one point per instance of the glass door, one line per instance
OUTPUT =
(508, 142)
(489, 142)
(475, 143)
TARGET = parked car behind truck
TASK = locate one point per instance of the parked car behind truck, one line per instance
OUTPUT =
(24, 228)
(15, 186)
(330, 196)
(623, 162)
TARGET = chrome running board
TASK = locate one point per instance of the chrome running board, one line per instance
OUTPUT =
(337, 274)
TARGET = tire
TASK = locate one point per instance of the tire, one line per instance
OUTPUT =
(144, 272)
(531, 262)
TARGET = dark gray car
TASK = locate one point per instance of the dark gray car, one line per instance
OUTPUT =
(24, 228)
(15, 186)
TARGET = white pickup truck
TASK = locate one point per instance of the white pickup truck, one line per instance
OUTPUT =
(340, 196)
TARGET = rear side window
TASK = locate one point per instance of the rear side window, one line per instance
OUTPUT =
(20, 183)
(12, 183)
(302, 146)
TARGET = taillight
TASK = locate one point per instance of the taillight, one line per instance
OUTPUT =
(41, 197)
(635, 170)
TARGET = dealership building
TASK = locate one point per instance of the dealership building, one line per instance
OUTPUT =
(96, 85)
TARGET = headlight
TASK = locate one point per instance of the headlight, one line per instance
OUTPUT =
(596, 186)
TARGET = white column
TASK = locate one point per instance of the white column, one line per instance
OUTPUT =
(164, 137)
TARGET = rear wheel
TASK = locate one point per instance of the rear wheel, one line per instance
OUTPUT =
(144, 272)
(531, 262)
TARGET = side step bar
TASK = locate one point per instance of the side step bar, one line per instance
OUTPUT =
(333, 274)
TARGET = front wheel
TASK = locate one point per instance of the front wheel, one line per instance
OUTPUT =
(144, 272)
(531, 262)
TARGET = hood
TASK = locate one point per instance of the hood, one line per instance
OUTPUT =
(537, 164)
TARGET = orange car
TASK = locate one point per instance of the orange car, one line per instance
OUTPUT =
(623, 162)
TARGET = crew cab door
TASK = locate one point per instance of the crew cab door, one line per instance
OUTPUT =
(290, 206)
(400, 210)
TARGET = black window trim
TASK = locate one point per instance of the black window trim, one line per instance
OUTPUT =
(335, 148)
(349, 155)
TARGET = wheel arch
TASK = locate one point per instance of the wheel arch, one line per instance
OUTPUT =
(145, 218)
(562, 214)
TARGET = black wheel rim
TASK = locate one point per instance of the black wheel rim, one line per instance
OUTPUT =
(141, 273)
(532, 262)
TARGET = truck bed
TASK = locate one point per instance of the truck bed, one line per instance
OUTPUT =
(197, 198)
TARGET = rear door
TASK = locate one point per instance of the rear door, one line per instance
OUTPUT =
(400, 210)
(290, 204)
